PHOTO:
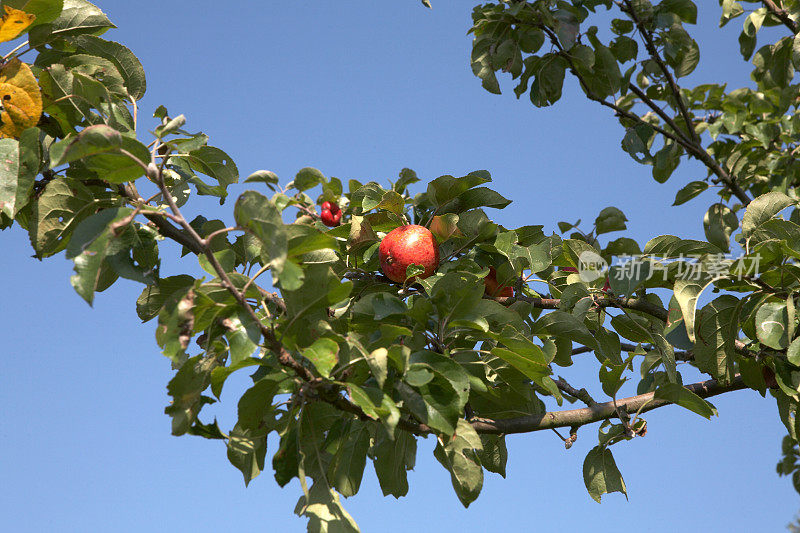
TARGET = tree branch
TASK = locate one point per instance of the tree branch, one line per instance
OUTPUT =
(164, 227)
(781, 15)
(676, 91)
(601, 411)
(329, 392)
(582, 394)
(637, 304)
(693, 147)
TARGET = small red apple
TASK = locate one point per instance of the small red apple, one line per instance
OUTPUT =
(493, 288)
(331, 214)
(406, 245)
(607, 285)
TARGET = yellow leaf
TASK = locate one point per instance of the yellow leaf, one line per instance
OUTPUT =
(13, 22)
(20, 99)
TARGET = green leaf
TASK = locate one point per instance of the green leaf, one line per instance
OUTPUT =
(494, 455)
(548, 83)
(61, 207)
(438, 402)
(793, 352)
(607, 76)
(92, 242)
(407, 177)
(719, 223)
(460, 455)
(670, 246)
(632, 327)
(18, 171)
(666, 161)
(91, 140)
(638, 140)
(687, 291)
(215, 163)
(221, 373)
(730, 9)
(263, 176)
(76, 17)
(533, 367)
(772, 324)
(762, 209)
(126, 62)
(445, 188)
(323, 354)
(626, 277)
(718, 324)
(45, 10)
(255, 212)
(393, 202)
(101, 149)
(377, 405)
(324, 511)
(286, 459)
(307, 178)
(154, 296)
(685, 9)
(347, 466)
(256, 402)
(186, 390)
(171, 127)
(689, 191)
(601, 475)
(611, 379)
(563, 324)
(247, 449)
(679, 395)
(610, 219)
(393, 458)
(175, 325)
(306, 239)
(243, 333)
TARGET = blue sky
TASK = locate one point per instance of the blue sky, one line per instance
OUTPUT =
(359, 90)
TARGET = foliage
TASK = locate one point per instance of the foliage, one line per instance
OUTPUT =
(348, 366)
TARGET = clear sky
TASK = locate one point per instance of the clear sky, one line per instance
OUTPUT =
(358, 89)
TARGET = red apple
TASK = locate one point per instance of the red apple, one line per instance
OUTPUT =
(331, 214)
(493, 288)
(406, 245)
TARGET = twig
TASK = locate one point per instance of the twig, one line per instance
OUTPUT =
(582, 394)
(781, 15)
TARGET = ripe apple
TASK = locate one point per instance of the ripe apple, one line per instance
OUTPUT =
(493, 288)
(331, 214)
(406, 245)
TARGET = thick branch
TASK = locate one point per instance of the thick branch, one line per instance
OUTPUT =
(602, 411)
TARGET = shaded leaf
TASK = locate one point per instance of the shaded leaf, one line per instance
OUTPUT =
(601, 475)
